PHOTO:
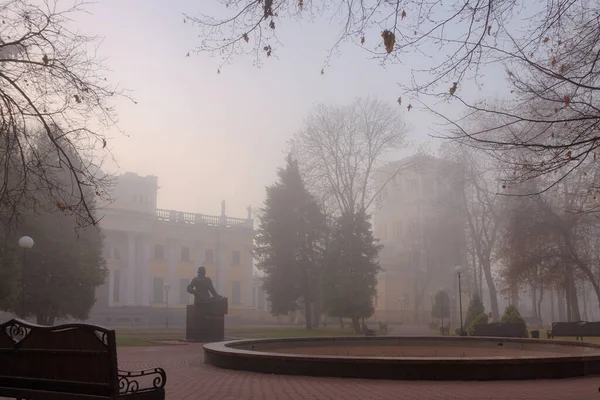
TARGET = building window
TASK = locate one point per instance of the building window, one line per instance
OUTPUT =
(397, 229)
(236, 258)
(427, 186)
(116, 286)
(185, 253)
(412, 185)
(236, 292)
(158, 289)
(159, 252)
(184, 297)
(209, 256)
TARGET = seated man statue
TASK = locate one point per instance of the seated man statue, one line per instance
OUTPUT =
(202, 288)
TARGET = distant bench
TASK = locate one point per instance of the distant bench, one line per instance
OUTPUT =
(499, 329)
(73, 361)
(574, 329)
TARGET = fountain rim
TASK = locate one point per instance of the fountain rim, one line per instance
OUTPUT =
(230, 347)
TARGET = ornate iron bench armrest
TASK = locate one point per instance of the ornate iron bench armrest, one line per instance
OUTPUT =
(152, 379)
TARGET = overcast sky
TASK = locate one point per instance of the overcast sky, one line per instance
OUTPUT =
(212, 137)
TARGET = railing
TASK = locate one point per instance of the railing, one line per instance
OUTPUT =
(200, 219)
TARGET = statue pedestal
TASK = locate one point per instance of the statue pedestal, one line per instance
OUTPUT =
(205, 322)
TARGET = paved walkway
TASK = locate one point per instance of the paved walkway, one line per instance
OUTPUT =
(189, 378)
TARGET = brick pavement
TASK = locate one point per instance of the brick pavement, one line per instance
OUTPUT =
(189, 378)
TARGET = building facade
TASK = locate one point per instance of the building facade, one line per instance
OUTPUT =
(420, 223)
(153, 254)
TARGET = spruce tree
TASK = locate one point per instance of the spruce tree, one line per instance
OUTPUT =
(350, 269)
(288, 243)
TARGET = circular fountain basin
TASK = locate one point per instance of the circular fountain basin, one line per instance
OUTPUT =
(409, 357)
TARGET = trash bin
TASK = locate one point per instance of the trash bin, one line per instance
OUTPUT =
(535, 334)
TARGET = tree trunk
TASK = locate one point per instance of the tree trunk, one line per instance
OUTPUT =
(552, 315)
(584, 298)
(572, 295)
(560, 300)
(539, 307)
(568, 302)
(356, 324)
(492, 289)
(534, 300)
(342, 326)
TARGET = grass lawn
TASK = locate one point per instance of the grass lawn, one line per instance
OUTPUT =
(149, 337)
(286, 332)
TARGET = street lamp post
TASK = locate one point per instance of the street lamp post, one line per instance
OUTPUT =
(25, 242)
(167, 287)
(459, 270)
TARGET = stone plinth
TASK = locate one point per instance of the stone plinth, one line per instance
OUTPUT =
(205, 322)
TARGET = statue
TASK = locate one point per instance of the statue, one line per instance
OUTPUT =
(202, 288)
(249, 209)
(205, 319)
(223, 207)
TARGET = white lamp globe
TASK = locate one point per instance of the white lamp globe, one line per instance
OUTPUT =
(25, 242)
(458, 269)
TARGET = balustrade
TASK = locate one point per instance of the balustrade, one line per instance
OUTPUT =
(197, 219)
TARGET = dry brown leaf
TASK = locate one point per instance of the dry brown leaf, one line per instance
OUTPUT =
(389, 39)
(562, 69)
(409, 107)
(403, 15)
(362, 40)
(453, 88)
(489, 30)
(546, 40)
(567, 100)
(399, 100)
(246, 38)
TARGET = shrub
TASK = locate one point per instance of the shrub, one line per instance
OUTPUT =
(475, 309)
(441, 305)
(480, 319)
(512, 316)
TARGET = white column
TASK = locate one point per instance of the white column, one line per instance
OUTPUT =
(173, 254)
(111, 287)
(145, 271)
(250, 283)
(130, 292)
(222, 269)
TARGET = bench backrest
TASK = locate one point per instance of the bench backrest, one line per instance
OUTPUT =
(579, 328)
(499, 329)
(77, 358)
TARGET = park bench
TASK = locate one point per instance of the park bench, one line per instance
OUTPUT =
(367, 331)
(383, 327)
(68, 362)
(577, 329)
(499, 329)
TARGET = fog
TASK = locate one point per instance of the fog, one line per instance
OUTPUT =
(190, 171)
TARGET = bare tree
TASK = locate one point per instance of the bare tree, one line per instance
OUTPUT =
(52, 87)
(549, 51)
(483, 211)
(341, 149)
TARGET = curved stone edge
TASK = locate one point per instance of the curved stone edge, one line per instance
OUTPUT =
(226, 355)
